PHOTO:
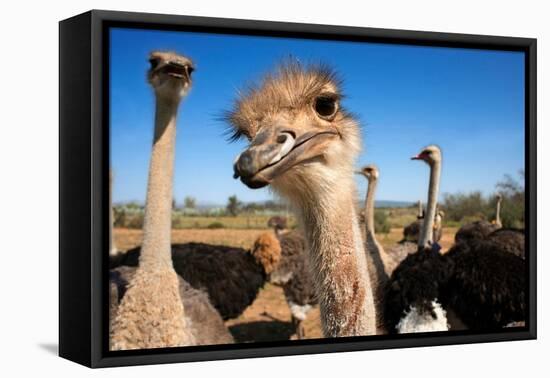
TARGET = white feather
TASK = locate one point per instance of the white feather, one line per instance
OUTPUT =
(414, 321)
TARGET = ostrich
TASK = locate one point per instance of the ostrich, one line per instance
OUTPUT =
(479, 283)
(231, 276)
(375, 252)
(199, 311)
(303, 143)
(151, 313)
(293, 274)
(438, 225)
(113, 249)
(411, 232)
(482, 228)
(278, 223)
(511, 240)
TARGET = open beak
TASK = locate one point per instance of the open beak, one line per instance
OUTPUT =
(173, 69)
(177, 70)
(274, 151)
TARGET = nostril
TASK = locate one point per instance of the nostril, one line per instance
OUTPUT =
(285, 135)
(282, 138)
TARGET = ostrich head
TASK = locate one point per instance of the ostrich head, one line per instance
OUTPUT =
(277, 222)
(301, 138)
(369, 171)
(430, 155)
(170, 74)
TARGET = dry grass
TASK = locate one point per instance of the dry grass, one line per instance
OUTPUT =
(268, 318)
(126, 238)
(242, 221)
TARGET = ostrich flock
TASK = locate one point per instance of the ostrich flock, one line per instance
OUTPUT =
(304, 145)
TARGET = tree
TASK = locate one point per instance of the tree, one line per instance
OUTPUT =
(513, 200)
(464, 207)
(233, 205)
(189, 202)
(469, 207)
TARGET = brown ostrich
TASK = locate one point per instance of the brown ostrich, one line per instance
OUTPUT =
(151, 313)
(293, 274)
(303, 143)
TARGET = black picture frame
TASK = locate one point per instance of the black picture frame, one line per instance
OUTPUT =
(84, 175)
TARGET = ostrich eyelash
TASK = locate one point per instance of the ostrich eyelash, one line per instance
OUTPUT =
(234, 135)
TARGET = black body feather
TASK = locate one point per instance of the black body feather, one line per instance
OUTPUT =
(229, 275)
(480, 282)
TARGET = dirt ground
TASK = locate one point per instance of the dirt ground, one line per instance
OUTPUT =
(268, 318)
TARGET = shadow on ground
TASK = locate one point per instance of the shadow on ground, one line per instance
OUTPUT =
(262, 331)
(52, 348)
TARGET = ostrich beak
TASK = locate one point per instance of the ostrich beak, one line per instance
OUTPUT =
(275, 150)
(420, 156)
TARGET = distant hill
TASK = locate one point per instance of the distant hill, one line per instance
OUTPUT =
(390, 204)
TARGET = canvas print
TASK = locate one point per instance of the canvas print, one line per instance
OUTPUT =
(269, 189)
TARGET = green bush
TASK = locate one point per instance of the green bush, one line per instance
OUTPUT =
(381, 222)
(215, 225)
(463, 208)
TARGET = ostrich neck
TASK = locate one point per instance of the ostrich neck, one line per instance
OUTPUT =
(369, 207)
(113, 249)
(427, 228)
(338, 261)
(377, 271)
(497, 218)
(420, 209)
(374, 249)
(155, 251)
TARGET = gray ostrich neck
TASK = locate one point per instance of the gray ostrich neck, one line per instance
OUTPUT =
(374, 249)
(420, 209)
(427, 228)
(155, 251)
(338, 262)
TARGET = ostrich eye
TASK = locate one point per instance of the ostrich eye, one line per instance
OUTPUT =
(154, 63)
(326, 106)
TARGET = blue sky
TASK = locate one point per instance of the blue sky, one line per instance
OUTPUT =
(469, 102)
